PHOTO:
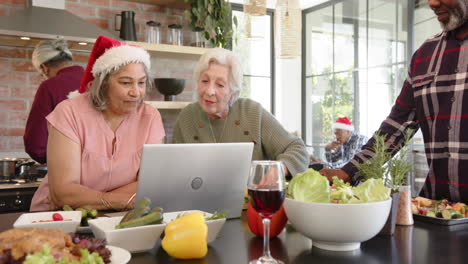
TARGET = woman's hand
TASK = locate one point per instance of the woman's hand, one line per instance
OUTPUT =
(341, 174)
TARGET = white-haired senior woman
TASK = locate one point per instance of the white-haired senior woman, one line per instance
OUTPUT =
(221, 116)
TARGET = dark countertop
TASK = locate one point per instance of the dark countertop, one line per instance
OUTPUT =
(420, 243)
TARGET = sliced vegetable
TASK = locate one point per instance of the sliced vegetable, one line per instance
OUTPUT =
(149, 219)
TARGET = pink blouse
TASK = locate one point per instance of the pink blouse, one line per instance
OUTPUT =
(101, 168)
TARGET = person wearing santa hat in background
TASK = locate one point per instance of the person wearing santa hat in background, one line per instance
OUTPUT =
(54, 61)
(347, 143)
(96, 137)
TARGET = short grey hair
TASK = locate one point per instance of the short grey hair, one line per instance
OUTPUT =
(99, 87)
(226, 58)
(51, 53)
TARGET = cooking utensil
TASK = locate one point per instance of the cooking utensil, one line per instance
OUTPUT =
(8, 168)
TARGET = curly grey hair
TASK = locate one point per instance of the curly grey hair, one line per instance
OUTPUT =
(226, 58)
(99, 88)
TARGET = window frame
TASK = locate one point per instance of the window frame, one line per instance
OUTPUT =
(271, 13)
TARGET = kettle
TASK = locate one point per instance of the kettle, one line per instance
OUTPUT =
(127, 25)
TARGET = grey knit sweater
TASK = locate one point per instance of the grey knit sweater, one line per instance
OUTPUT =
(247, 121)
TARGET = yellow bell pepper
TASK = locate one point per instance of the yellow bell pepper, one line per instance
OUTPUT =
(185, 237)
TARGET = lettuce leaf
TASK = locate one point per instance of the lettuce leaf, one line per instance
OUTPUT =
(372, 190)
(342, 192)
(45, 257)
(309, 186)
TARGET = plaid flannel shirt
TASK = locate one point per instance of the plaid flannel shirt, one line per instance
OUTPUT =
(433, 99)
(344, 153)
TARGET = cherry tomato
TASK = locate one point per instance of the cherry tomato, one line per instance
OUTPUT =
(57, 217)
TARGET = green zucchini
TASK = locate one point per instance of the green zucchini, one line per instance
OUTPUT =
(149, 219)
(84, 213)
(145, 202)
(67, 208)
(135, 213)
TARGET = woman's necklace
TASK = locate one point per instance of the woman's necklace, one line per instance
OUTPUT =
(222, 131)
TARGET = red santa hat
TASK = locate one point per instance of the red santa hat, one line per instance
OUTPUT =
(343, 123)
(109, 54)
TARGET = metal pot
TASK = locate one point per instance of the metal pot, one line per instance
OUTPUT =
(8, 168)
(23, 169)
(12, 167)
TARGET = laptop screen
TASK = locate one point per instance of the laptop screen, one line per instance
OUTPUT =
(207, 176)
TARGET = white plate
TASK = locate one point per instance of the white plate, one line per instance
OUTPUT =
(119, 255)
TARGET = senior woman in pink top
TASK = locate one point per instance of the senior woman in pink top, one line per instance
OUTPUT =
(95, 138)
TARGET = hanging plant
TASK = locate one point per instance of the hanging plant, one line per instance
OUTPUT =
(213, 17)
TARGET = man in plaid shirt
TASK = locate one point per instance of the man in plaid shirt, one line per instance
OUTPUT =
(346, 145)
(433, 99)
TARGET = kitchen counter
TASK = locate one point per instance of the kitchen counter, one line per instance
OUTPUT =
(421, 243)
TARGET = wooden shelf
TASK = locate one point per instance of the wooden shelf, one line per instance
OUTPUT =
(179, 4)
(165, 50)
(15, 41)
(168, 104)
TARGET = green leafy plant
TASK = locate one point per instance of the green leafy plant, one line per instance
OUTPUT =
(213, 17)
(394, 171)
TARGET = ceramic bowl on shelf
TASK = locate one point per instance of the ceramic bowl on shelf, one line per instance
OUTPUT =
(169, 87)
(337, 227)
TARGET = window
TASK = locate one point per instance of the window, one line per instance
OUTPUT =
(354, 65)
(256, 54)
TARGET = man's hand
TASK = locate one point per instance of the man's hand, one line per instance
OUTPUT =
(329, 173)
(332, 145)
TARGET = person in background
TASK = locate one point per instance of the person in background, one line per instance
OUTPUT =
(54, 61)
(347, 143)
(434, 98)
(221, 116)
(95, 138)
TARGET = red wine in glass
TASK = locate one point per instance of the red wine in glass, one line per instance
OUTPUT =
(266, 201)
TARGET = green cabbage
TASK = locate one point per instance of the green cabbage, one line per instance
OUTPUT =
(372, 190)
(310, 186)
(45, 257)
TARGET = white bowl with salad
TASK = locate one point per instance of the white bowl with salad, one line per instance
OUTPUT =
(337, 217)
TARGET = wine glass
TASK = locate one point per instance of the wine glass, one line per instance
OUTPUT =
(266, 187)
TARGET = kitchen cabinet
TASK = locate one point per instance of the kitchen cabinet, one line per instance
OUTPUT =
(179, 4)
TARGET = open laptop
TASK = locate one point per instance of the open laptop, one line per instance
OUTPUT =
(208, 177)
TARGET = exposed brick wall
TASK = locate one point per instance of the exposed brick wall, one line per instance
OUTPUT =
(19, 80)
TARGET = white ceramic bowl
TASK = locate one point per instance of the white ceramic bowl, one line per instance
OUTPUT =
(338, 227)
(70, 223)
(214, 226)
(133, 239)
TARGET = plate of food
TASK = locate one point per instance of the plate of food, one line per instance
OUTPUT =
(442, 212)
(119, 255)
(41, 245)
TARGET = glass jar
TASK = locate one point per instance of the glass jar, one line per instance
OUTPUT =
(404, 215)
(153, 33)
(197, 38)
(174, 36)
